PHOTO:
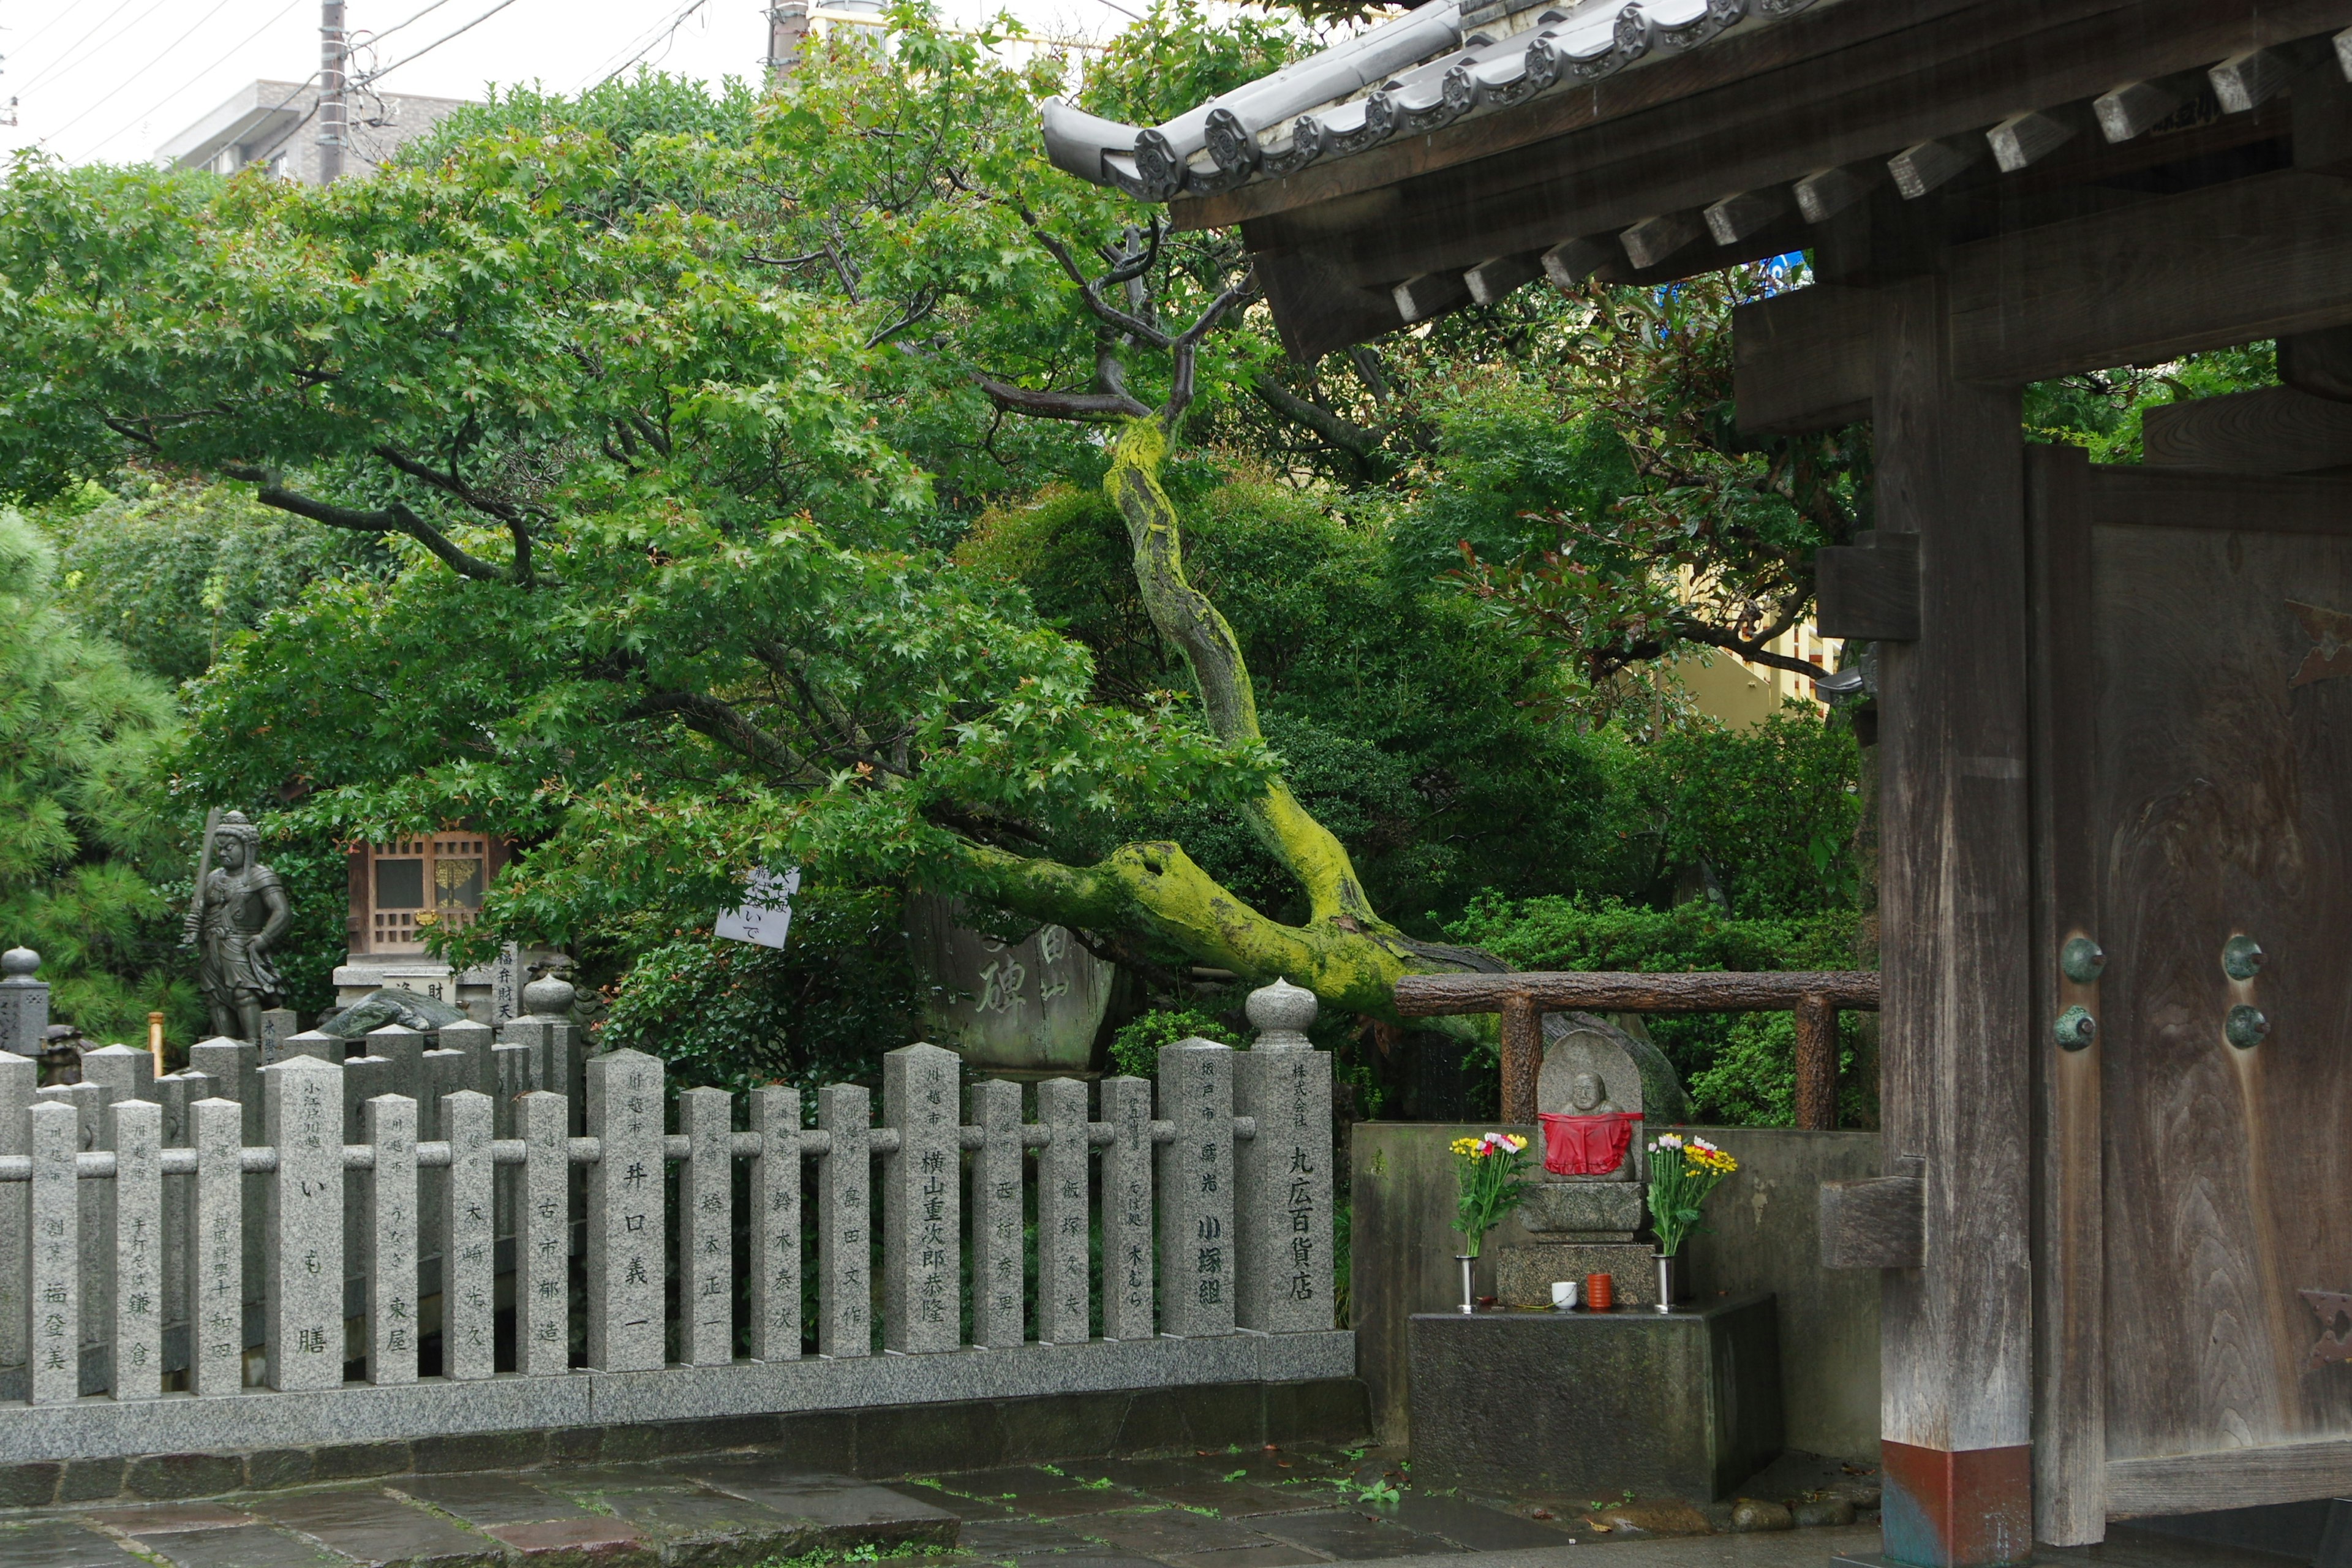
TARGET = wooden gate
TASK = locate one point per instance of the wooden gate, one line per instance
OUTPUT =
(2192, 667)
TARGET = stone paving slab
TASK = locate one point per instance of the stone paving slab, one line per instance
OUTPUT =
(366, 1525)
(239, 1546)
(1162, 1532)
(59, 1543)
(1345, 1535)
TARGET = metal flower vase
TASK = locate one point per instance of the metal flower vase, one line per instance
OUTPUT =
(1469, 1262)
(1670, 1281)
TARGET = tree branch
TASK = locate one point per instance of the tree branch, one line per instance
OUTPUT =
(396, 518)
(1357, 440)
(1101, 407)
(706, 715)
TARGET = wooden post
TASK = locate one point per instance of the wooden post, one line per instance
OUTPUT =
(1522, 1059)
(1956, 1335)
(1817, 1056)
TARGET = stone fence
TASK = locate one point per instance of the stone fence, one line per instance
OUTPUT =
(480, 1233)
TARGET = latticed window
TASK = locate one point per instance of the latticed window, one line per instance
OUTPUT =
(416, 885)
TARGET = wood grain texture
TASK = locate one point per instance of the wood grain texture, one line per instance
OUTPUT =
(1801, 361)
(1869, 589)
(1876, 1223)
(1817, 1062)
(2223, 805)
(2271, 430)
(1954, 898)
(2069, 1278)
(2227, 264)
(1435, 995)
(2239, 1478)
(1522, 1055)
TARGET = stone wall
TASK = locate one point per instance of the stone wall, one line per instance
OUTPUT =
(1762, 1238)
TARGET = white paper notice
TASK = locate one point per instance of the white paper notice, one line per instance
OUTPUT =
(766, 913)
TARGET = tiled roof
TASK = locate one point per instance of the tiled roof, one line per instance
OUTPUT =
(1443, 61)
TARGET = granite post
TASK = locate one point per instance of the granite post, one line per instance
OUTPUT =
(626, 1213)
(19, 1076)
(996, 1217)
(94, 1220)
(302, 1283)
(1062, 1274)
(546, 1028)
(1127, 1250)
(922, 1219)
(469, 1259)
(177, 1092)
(311, 1043)
(53, 1294)
(775, 1223)
(1283, 1205)
(388, 1127)
(24, 1002)
(138, 1140)
(706, 1238)
(403, 1047)
(474, 1041)
(1196, 1189)
(543, 1242)
(278, 1025)
(216, 1250)
(845, 1212)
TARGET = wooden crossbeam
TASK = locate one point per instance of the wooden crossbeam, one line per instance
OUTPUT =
(2273, 430)
(2140, 285)
(1438, 995)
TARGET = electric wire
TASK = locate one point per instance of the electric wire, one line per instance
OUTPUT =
(661, 36)
(196, 78)
(134, 76)
(412, 16)
(64, 61)
(381, 71)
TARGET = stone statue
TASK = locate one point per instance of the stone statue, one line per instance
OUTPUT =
(235, 919)
(1588, 1096)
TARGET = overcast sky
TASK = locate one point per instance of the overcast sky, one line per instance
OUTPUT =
(115, 79)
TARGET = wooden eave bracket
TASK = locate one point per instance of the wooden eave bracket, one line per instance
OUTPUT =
(1869, 589)
(1877, 1222)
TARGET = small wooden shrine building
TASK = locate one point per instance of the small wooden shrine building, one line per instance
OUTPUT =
(2116, 894)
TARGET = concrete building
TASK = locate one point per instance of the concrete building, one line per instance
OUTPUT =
(276, 125)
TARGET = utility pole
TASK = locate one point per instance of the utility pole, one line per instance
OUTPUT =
(788, 24)
(334, 58)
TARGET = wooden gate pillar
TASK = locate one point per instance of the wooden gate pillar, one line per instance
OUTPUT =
(1955, 1333)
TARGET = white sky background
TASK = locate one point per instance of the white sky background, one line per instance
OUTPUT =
(113, 80)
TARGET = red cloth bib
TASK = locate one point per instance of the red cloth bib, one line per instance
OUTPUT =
(1587, 1145)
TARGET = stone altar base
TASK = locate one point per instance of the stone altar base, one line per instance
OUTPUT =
(1523, 1275)
(1586, 1404)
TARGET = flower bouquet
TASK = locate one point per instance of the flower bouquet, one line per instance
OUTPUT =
(1683, 1171)
(1487, 1172)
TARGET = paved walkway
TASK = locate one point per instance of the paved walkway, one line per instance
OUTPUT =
(1263, 1509)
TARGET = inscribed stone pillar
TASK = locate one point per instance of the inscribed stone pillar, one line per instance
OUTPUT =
(626, 1213)
(177, 1091)
(921, 1200)
(216, 1250)
(706, 1241)
(1062, 1275)
(389, 1126)
(404, 1048)
(473, 1041)
(469, 1256)
(1127, 1250)
(775, 1223)
(311, 1043)
(18, 1078)
(24, 1003)
(303, 1282)
(234, 1068)
(996, 1216)
(125, 1072)
(543, 1242)
(53, 1298)
(845, 1213)
(1282, 1204)
(138, 1140)
(1196, 1189)
(95, 1219)
(278, 1025)
(546, 1028)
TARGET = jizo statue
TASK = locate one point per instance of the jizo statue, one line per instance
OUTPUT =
(236, 920)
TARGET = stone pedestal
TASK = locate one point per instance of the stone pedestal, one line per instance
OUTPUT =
(1577, 1229)
(1524, 1274)
(1586, 1404)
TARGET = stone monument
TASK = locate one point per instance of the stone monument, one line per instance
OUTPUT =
(1594, 1090)
(235, 919)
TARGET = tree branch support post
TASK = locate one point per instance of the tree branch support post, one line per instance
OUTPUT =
(1817, 1062)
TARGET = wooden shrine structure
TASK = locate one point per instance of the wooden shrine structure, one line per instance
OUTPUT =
(2117, 760)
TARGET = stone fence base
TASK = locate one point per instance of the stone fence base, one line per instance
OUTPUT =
(877, 1442)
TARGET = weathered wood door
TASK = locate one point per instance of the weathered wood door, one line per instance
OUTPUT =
(2193, 773)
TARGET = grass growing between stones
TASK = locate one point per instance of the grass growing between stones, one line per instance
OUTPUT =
(868, 1552)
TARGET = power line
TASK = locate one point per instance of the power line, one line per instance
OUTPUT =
(134, 76)
(661, 35)
(381, 71)
(45, 72)
(197, 76)
(412, 16)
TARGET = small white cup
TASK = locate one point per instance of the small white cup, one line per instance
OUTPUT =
(1563, 1295)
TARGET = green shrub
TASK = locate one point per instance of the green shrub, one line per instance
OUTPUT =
(1135, 1048)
